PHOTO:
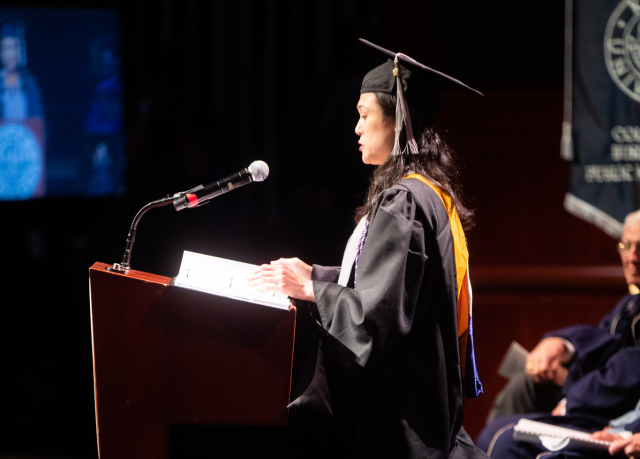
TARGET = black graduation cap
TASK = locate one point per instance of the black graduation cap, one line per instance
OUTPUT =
(381, 80)
(412, 82)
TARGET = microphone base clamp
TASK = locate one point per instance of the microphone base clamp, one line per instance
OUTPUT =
(117, 268)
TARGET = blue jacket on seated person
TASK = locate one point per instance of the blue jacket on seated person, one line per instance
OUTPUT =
(603, 381)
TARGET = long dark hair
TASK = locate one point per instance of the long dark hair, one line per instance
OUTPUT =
(435, 161)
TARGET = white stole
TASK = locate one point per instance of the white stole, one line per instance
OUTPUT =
(350, 252)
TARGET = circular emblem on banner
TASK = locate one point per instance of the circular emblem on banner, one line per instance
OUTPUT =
(21, 162)
(622, 48)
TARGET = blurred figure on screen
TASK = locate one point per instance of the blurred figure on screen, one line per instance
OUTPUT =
(104, 119)
(22, 132)
(19, 90)
(105, 110)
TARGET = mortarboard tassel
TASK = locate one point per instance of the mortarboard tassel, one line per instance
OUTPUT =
(402, 117)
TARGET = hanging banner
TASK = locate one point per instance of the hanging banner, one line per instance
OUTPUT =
(601, 129)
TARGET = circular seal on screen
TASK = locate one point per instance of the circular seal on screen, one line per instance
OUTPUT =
(21, 162)
(622, 48)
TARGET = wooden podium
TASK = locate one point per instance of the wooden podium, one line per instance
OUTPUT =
(167, 355)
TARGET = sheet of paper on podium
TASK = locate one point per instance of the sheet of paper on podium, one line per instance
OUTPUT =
(224, 278)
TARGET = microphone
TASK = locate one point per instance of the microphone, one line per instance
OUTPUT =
(257, 171)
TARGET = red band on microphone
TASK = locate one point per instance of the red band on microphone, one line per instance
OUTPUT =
(193, 200)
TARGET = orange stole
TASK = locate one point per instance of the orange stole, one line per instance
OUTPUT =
(462, 267)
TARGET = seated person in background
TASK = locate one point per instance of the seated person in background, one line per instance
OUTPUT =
(539, 388)
(594, 367)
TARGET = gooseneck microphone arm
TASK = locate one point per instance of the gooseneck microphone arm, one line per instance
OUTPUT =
(198, 196)
(131, 237)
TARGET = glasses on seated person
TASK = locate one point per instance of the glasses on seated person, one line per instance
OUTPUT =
(625, 246)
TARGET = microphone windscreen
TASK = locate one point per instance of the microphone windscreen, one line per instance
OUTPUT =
(259, 171)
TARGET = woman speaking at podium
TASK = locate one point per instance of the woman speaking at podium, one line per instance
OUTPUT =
(397, 348)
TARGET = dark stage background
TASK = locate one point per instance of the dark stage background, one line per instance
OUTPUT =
(212, 86)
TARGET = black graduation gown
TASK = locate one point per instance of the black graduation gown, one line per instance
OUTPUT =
(388, 367)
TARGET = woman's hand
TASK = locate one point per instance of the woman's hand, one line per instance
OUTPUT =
(296, 265)
(630, 446)
(287, 275)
